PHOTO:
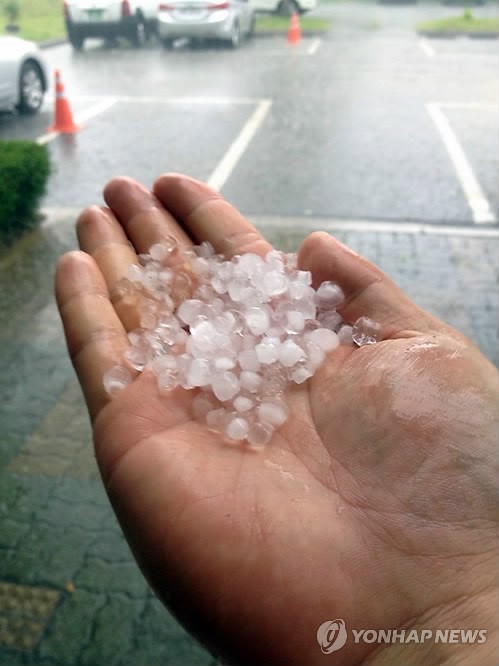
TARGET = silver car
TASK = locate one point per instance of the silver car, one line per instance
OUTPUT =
(23, 75)
(227, 20)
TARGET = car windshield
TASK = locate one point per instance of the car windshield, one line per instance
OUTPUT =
(375, 121)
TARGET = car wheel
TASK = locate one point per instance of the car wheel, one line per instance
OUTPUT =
(139, 32)
(235, 35)
(287, 7)
(167, 42)
(76, 40)
(30, 88)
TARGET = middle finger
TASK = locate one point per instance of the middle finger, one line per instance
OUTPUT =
(141, 215)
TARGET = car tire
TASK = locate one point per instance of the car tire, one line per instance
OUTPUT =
(139, 32)
(31, 88)
(76, 40)
(167, 42)
(287, 7)
(235, 35)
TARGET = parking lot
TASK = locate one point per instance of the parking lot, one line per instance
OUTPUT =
(340, 126)
(385, 139)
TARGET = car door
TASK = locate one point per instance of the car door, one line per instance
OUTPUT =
(8, 73)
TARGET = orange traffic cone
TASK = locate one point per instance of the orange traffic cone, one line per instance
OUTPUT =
(294, 32)
(63, 120)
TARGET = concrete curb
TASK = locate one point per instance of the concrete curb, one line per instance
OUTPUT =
(446, 34)
(49, 43)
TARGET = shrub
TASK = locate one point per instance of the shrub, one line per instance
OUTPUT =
(24, 170)
(11, 9)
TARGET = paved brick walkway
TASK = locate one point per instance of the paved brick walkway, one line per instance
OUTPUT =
(70, 593)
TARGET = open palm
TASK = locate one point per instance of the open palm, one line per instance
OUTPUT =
(370, 502)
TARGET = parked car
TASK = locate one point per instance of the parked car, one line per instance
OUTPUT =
(226, 20)
(134, 19)
(284, 7)
(23, 75)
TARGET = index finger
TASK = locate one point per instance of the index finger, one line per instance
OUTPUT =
(206, 216)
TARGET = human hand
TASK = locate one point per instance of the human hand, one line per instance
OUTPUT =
(376, 502)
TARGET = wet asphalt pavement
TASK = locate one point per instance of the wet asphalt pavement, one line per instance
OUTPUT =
(348, 134)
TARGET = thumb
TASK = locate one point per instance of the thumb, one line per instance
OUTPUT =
(368, 291)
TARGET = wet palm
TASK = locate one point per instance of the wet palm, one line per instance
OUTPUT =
(369, 502)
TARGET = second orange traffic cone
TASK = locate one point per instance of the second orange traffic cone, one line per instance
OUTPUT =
(63, 119)
(294, 32)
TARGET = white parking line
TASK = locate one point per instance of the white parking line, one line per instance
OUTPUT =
(314, 46)
(308, 224)
(427, 48)
(477, 201)
(239, 145)
(467, 105)
(99, 107)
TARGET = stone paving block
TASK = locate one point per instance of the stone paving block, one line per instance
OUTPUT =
(66, 556)
(11, 531)
(110, 546)
(62, 444)
(71, 629)
(86, 516)
(112, 632)
(75, 491)
(28, 562)
(24, 613)
(111, 577)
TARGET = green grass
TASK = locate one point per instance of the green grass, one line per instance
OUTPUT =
(461, 24)
(38, 19)
(281, 24)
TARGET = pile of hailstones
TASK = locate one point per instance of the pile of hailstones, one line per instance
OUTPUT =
(238, 331)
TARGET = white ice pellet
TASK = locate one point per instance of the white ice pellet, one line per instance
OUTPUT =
(243, 403)
(251, 381)
(324, 338)
(365, 331)
(301, 374)
(259, 434)
(135, 273)
(167, 380)
(290, 353)
(345, 335)
(116, 379)
(189, 310)
(273, 412)
(225, 385)
(275, 283)
(138, 357)
(201, 405)
(267, 351)
(199, 372)
(257, 320)
(237, 428)
(329, 295)
(316, 354)
(248, 360)
(329, 319)
(236, 331)
(223, 361)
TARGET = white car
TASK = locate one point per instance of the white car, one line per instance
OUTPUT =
(225, 20)
(134, 19)
(284, 7)
(23, 75)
